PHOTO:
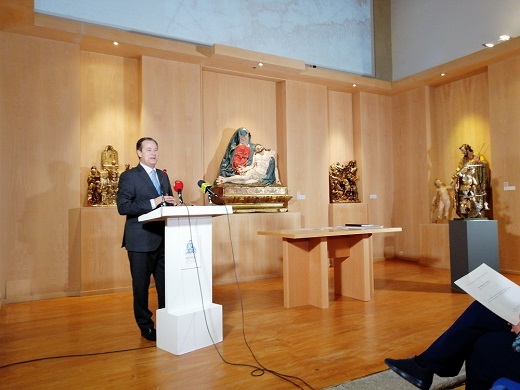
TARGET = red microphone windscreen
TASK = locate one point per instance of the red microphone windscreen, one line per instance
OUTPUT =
(178, 186)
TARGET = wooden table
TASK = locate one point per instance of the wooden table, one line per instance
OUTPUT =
(306, 254)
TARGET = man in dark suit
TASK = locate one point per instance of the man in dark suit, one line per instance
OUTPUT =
(137, 195)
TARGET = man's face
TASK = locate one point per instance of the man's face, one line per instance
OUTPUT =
(149, 153)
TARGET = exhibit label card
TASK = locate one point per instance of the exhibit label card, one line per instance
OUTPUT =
(494, 291)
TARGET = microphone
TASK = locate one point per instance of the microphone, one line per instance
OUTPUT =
(178, 186)
(206, 188)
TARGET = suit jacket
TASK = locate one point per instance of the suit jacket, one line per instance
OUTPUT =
(133, 199)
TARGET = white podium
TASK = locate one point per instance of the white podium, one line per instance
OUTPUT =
(190, 320)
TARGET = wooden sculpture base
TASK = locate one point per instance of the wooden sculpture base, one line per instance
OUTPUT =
(254, 199)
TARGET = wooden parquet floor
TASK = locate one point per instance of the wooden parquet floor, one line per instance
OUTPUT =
(93, 343)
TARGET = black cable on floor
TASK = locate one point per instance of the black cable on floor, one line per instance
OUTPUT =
(74, 355)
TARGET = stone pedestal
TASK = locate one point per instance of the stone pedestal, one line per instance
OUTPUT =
(472, 242)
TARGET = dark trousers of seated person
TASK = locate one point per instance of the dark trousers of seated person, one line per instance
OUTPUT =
(482, 340)
(142, 266)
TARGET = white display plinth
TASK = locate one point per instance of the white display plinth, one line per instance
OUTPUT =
(190, 320)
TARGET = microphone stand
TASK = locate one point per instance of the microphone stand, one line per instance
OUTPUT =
(179, 194)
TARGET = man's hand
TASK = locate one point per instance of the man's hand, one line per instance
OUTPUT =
(167, 198)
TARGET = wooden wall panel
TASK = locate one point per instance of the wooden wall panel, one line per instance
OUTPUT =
(429, 126)
(411, 149)
(373, 137)
(342, 213)
(109, 111)
(171, 112)
(103, 264)
(434, 241)
(504, 100)
(307, 138)
(231, 102)
(461, 117)
(40, 134)
(341, 132)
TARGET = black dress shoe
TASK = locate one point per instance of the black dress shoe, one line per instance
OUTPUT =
(410, 369)
(149, 334)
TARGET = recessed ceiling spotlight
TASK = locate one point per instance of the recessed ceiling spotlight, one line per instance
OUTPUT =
(501, 39)
(354, 85)
(443, 74)
(260, 64)
(115, 43)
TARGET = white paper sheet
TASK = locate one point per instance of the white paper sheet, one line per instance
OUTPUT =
(494, 291)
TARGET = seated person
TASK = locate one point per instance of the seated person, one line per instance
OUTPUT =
(488, 345)
(262, 170)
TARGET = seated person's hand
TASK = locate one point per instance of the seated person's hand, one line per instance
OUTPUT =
(516, 343)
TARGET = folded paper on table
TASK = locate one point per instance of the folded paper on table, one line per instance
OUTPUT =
(494, 291)
(361, 226)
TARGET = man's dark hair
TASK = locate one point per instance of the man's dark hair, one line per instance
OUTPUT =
(139, 144)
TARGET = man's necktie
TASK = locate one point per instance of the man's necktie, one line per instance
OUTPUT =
(155, 181)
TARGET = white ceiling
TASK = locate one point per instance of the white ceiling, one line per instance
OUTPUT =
(427, 33)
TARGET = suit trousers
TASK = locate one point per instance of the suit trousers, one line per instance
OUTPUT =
(142, 266)
(481, 339)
